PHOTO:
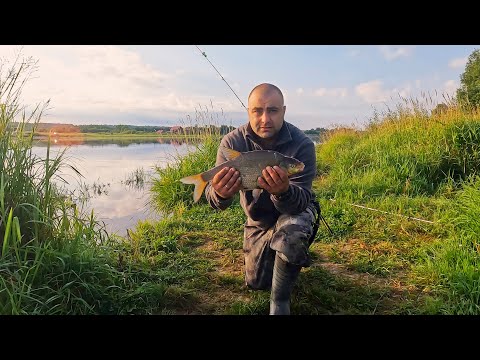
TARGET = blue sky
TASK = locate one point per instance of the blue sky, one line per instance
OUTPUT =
(324, 85)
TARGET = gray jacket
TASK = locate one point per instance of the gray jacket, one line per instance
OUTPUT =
(265, 212)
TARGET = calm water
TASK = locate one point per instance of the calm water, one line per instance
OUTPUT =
(109, 182)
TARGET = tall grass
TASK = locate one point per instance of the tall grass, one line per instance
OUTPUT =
(453, 264)
(408, 152)
(19, 188)
(412, 161)
(34, 214)
(54, 259)
(167, 190)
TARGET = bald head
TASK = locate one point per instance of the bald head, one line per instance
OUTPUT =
(266, 110)
(265, 89)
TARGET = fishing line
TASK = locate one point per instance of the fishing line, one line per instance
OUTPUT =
(386, 212)
(204, 54)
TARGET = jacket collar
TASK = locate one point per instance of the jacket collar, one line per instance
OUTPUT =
(284, 135)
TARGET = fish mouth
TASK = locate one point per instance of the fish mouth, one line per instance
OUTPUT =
(301, 166)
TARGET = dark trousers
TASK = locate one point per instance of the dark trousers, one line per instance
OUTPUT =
(290, 237)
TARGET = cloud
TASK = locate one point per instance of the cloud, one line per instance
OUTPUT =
(333, 92)
(373, 91)
(299, 91)
(394, 52)
(405, 92)
(450, 87)
(320, 92)
(120, 66)
(104, 82)
(102, 77)
(458, 62)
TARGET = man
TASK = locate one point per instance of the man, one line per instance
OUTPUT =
(279, 226)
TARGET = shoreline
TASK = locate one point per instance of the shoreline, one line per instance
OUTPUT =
(45, 136)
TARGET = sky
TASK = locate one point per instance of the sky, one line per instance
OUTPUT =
(166, 85)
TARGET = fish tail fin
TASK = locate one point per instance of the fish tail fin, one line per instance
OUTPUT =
(199, 183)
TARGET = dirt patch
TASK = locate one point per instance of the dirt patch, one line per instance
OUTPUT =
(227, 261)
(396, 284)
(220, 293)
(226, 284)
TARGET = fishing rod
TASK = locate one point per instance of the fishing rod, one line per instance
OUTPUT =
(205, 55)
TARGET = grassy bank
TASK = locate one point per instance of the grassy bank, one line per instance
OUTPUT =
(54, 259)
(412, 167)
(401, 197)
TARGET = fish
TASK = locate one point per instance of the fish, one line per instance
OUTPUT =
(250, 165)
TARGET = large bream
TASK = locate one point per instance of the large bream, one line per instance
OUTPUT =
(250, 165)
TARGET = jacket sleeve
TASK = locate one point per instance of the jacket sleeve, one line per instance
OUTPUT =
(299, 194)
(216, 201)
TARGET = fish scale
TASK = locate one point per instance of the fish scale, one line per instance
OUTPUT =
(249, 180)
(250, 174)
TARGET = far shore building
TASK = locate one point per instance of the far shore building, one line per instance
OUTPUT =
(176, 130)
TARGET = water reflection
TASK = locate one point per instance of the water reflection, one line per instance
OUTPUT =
(59, 141)
(116, 176)
(314, 138)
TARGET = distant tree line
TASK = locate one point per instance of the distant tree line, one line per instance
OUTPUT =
(127, 129)
(318, 131)
(122, 129)
(140, 129)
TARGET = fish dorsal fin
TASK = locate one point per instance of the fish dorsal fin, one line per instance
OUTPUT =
(230, 154)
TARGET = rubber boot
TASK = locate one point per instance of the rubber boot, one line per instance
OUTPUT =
(284, 277)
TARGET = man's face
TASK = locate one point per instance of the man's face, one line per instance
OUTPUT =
(266, 112)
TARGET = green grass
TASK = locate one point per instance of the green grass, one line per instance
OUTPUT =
(407, 164)
(55, 260)
(373, 186)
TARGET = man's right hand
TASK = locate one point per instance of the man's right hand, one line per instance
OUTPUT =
(227, 182)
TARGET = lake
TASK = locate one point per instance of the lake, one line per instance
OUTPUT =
(110, 186)
(110, 167)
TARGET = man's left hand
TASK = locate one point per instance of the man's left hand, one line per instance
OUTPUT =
(275, 180)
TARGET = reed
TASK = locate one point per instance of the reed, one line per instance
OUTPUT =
(204, 134)
(36, 217)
